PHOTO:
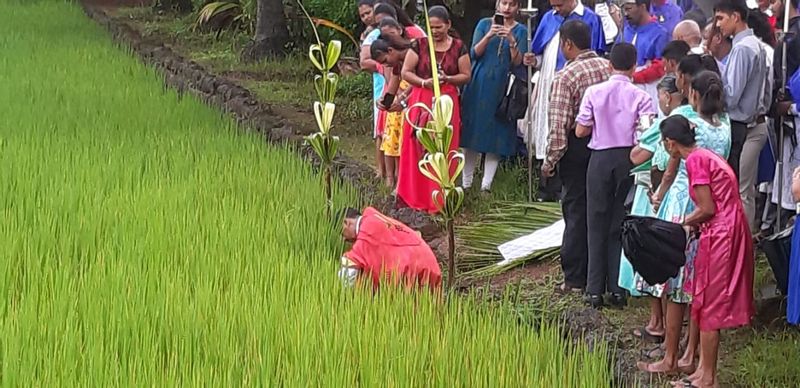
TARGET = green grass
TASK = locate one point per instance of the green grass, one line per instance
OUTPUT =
(149, 242)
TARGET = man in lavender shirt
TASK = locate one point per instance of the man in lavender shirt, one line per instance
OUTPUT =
(610, 113)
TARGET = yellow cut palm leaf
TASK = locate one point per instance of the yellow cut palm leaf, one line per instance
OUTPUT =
(334, 26)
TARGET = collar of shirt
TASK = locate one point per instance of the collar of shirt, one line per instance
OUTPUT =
(585, 54)
(697, 50)
(620, 77)
(358, 225)
(740, 36)
(579, 9)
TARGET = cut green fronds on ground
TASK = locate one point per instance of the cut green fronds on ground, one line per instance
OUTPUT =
(479, 239)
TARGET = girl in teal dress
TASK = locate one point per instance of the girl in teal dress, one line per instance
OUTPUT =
(669, 98)
(497, 50)
(712, 132)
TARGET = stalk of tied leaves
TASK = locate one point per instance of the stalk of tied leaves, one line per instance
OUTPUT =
(440, 164)
(324, 57)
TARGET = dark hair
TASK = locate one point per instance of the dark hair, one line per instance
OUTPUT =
(668, 84)
(386, 9)
(439, 12)
(759, 22)
(646, 3)
(733, 6)
(399, 13)
(577, 32)
(709, 86)
(676, 50)
(693, 64)
(623, 56)
(697, 16)
(385, 42)
(391, 22)
(370, 3)
(679, 129)
(378, 47)
(349, 212)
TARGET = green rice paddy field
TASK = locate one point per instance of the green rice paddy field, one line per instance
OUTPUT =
(145, 240)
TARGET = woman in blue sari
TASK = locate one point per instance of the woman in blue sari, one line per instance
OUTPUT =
(669, 98)
(498, 48)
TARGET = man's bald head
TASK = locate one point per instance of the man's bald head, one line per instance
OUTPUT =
(689, 32)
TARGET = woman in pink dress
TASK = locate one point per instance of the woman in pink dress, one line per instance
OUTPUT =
(722, 285)
(452, 59)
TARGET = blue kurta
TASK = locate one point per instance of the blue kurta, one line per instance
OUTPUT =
(481, 130)
(668, 15)
(552, 21)
(650, 41)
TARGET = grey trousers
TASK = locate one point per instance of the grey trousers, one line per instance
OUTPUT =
(748, 172)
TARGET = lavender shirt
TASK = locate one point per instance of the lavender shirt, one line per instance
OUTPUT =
(612, 109)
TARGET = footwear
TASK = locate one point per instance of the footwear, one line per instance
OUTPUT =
(594, 301)
(645, 335)
(565, 289)
(617, 300)
(683, 383)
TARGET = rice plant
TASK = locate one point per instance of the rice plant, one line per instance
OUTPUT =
(147, 241)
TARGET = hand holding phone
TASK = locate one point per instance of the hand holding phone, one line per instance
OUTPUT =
(499, 19)
(387, 101)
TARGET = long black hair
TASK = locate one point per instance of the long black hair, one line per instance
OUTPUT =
(679, 129)
(709, 86)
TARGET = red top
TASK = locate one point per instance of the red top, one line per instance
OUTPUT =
(447, 60)
(386, 249)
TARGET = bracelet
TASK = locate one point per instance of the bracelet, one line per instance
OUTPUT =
(514, 45)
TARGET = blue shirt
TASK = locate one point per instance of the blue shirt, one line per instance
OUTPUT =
(552, 21)
(649, 40)
(378, 81)
(668, 15)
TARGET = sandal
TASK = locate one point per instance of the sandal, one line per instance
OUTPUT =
(564, 289)
(683, 383)
(645, 335)
(655, 353)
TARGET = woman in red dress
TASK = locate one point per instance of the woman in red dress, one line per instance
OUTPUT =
(722, 285)
(452, 58)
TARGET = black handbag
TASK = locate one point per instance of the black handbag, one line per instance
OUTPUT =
(515, 101)
(655, 248)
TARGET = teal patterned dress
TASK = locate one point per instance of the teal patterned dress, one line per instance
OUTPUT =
(649, 141)
(677, 204)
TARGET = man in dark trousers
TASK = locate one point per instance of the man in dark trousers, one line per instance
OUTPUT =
(567, 154)
(611, 113)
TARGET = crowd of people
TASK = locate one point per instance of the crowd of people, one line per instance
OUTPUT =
(645, 108)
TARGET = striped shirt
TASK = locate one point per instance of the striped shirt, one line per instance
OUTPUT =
(569, 85)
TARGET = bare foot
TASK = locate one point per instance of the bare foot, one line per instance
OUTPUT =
(686, 364)
(657, 367)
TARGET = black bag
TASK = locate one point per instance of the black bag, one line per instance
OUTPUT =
(778, 248)
(515, 102)
(655, 248)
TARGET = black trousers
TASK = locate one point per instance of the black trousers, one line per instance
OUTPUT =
(738, 137)
(608, 181)
(572, 174)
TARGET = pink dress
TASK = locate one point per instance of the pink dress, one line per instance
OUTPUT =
(722, 287)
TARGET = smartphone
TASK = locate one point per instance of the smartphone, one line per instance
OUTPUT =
(499, 19)
(388, 99)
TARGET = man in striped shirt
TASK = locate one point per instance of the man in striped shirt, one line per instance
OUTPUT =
(565, 152)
